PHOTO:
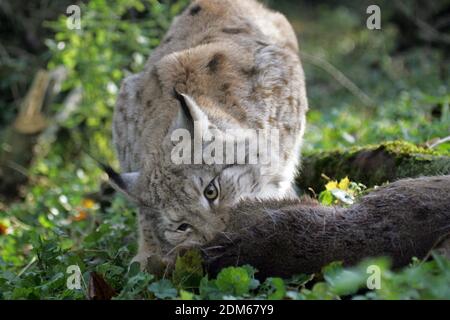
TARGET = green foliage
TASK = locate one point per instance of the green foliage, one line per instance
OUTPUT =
(57, 225)
(234, 281)
(409, 88)
(343, 193)
(163, 289)
(114, 41)
(188, 270)
(103, 250)
(276, 288)
(136, 283)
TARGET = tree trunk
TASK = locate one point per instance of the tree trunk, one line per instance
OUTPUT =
(18, 140)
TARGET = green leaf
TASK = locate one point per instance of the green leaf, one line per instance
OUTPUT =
(276, 288)
(209, 290)
(320, 291)
(134, 269)
(185, 295)
(347, 282)
(234, 281)
(332, 269)
(300, 279)
(188, 270)
(326, 198)
(163, 289)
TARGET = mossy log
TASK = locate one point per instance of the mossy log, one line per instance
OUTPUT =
(371, 165)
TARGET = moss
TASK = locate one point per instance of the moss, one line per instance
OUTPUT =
(371, 165)
(403, 147)
(396, 147)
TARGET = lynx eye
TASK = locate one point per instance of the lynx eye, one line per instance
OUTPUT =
(184, 227)
(211, 193)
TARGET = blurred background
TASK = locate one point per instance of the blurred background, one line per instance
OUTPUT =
(58, 89)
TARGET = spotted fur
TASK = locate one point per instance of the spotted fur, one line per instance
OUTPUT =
(238, 64)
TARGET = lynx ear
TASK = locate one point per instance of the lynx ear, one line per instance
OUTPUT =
(124, 182)
(190, 116)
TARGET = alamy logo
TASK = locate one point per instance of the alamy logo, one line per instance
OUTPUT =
(374, 20)
(74, 17)
(233, 146)
(374, 280)
(74, 279)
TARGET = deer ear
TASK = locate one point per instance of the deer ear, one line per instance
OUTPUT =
(190, 116)
(124, 182)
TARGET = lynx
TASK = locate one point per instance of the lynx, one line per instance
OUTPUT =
(224, 64)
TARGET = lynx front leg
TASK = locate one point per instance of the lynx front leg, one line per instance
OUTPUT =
(149, 252)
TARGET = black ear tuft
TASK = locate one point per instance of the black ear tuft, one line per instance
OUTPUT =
(180, 98)
(123, 182)
(114, 176)
(184, 120)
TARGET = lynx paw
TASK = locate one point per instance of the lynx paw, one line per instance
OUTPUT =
(151, 263)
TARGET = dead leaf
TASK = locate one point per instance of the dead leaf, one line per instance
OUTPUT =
(3, 229)
(98, 288)
(82, 215)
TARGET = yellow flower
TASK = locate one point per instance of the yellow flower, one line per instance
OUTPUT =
(88, 203)
(344, 183)
(331, 185)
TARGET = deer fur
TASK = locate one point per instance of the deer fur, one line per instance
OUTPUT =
(402, 220)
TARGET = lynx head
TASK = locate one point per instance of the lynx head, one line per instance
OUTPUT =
(181, 200)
